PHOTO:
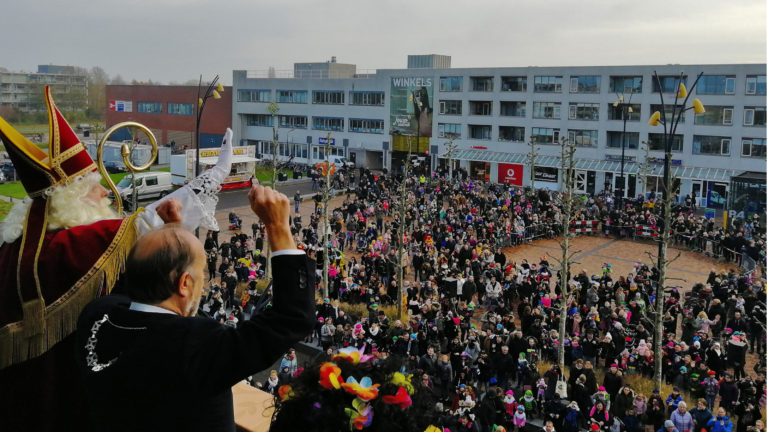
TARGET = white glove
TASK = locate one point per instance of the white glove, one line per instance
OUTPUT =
(198, 197)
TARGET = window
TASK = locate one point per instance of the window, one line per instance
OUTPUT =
(451, 84)
(331, 97)
(585, 84)
(716, 84)
(292, 96)
(711, 145)
(366, 126)
(545, 135)
(480, 108)
(715, 116)
(367, 98)
(319, 152)
(656, 142)
(753, 147)
(181, 108)
(254, 95)
(754, 116)
(449, 130)
(667, 114)
(755, 85)
(512, 109)
(548, 84)
(614, 139)
(258, 120)
(546, 110)
(511, 133)
(450, 107)
(150, 107)
(514, 83)
(626, 84)
(151, 181)
(483, 84)
(292, 121)
(480, 132)
(584, 111)
(669, 83)
(614, 112)
(328, 123)
(583, 137)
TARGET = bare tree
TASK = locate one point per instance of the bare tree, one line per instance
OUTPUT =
(567, 167)
(327, 167)
(531, 159)
(402, 209)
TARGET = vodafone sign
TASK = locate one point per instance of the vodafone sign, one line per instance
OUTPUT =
(511, 173)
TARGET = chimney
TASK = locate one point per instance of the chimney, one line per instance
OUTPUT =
(333, 59)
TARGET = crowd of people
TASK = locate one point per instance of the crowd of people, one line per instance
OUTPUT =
(480, 329)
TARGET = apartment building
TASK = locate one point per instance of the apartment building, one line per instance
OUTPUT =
(23, 91)
(492, 114)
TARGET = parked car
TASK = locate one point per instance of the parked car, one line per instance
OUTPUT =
(148, 185)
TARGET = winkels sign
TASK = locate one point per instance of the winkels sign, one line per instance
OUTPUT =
(410, 106)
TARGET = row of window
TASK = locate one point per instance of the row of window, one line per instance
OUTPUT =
(708, 84)
(715, 115)
(297, 150)
(702, 144)
(172, 108)
(336, 124)
(321, 97)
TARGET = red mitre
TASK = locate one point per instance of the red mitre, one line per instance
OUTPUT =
(46, 278)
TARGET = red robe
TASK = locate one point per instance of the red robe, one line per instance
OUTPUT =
(74, 267)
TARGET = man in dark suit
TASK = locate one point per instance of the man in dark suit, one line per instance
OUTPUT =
(149, 364)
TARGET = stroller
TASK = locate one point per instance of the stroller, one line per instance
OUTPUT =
(362, 243)
(235, 223)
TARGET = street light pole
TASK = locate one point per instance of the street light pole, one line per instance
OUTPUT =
(213, 91)
(670, 127)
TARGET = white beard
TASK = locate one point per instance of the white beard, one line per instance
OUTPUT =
(68, 208)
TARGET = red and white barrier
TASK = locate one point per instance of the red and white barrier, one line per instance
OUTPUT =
(646, 231)
(584, 226)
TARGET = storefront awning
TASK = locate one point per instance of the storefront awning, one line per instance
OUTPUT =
(682, 172)
(235, 159)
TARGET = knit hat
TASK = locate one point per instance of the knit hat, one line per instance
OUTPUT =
(668, 423)
(528, 393)
(712, 373)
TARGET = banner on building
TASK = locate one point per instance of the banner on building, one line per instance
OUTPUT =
(410, 106)
(511, 173)
(545, 174)
(120, 106)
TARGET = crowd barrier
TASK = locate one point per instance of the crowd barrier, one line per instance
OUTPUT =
(585, 226)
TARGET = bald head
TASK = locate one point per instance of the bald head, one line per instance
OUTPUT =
(157, 263)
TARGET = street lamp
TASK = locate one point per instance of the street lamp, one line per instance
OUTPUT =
(670, 127)
(213, 91)
(626, 108)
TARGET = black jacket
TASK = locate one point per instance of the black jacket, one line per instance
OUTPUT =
(167, 372)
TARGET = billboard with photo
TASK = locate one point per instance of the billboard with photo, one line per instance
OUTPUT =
(411, 99)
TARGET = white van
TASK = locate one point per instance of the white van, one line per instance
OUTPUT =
(148, 185)
(341, 162)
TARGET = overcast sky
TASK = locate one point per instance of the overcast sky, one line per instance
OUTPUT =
(176, 40)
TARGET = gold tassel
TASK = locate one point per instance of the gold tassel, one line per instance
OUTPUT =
(34, 317)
